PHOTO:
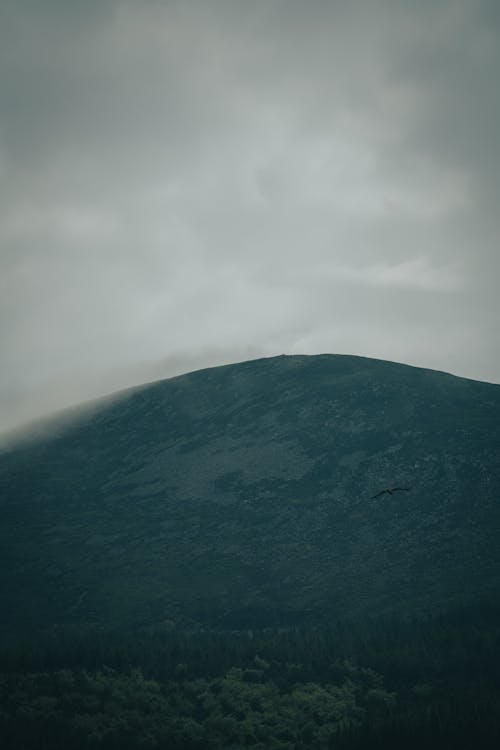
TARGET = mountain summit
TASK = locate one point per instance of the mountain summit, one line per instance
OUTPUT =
(256, 494)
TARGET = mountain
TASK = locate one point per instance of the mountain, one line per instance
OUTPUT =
(243, 496)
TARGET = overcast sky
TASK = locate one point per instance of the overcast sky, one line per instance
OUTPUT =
(188, 183)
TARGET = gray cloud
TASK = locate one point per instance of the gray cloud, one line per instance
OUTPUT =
(186, 183)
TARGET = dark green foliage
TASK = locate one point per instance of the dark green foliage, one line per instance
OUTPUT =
(239, 497)
(379, 685)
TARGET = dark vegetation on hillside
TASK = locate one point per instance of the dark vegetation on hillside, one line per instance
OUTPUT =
(380, 685)
(172, 565)
(243, 496)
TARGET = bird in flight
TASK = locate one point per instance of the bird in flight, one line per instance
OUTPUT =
(390, 491)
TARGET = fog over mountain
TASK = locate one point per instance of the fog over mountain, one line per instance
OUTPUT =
(186, 184)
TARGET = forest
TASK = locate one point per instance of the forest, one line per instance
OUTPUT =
(352, 685)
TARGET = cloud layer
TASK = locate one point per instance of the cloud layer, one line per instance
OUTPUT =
(186, 183)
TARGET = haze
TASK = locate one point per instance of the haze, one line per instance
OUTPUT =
(192, 183)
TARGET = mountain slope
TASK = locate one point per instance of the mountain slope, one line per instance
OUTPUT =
(242, 496)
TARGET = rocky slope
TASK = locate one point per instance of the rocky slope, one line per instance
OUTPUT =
(242, 496)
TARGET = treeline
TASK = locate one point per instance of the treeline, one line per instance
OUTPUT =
(351, 686)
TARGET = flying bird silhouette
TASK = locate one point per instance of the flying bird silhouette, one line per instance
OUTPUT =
(390, 491)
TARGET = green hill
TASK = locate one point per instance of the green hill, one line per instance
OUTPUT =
(242, 496)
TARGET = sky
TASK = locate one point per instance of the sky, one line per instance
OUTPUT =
(193, 182)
